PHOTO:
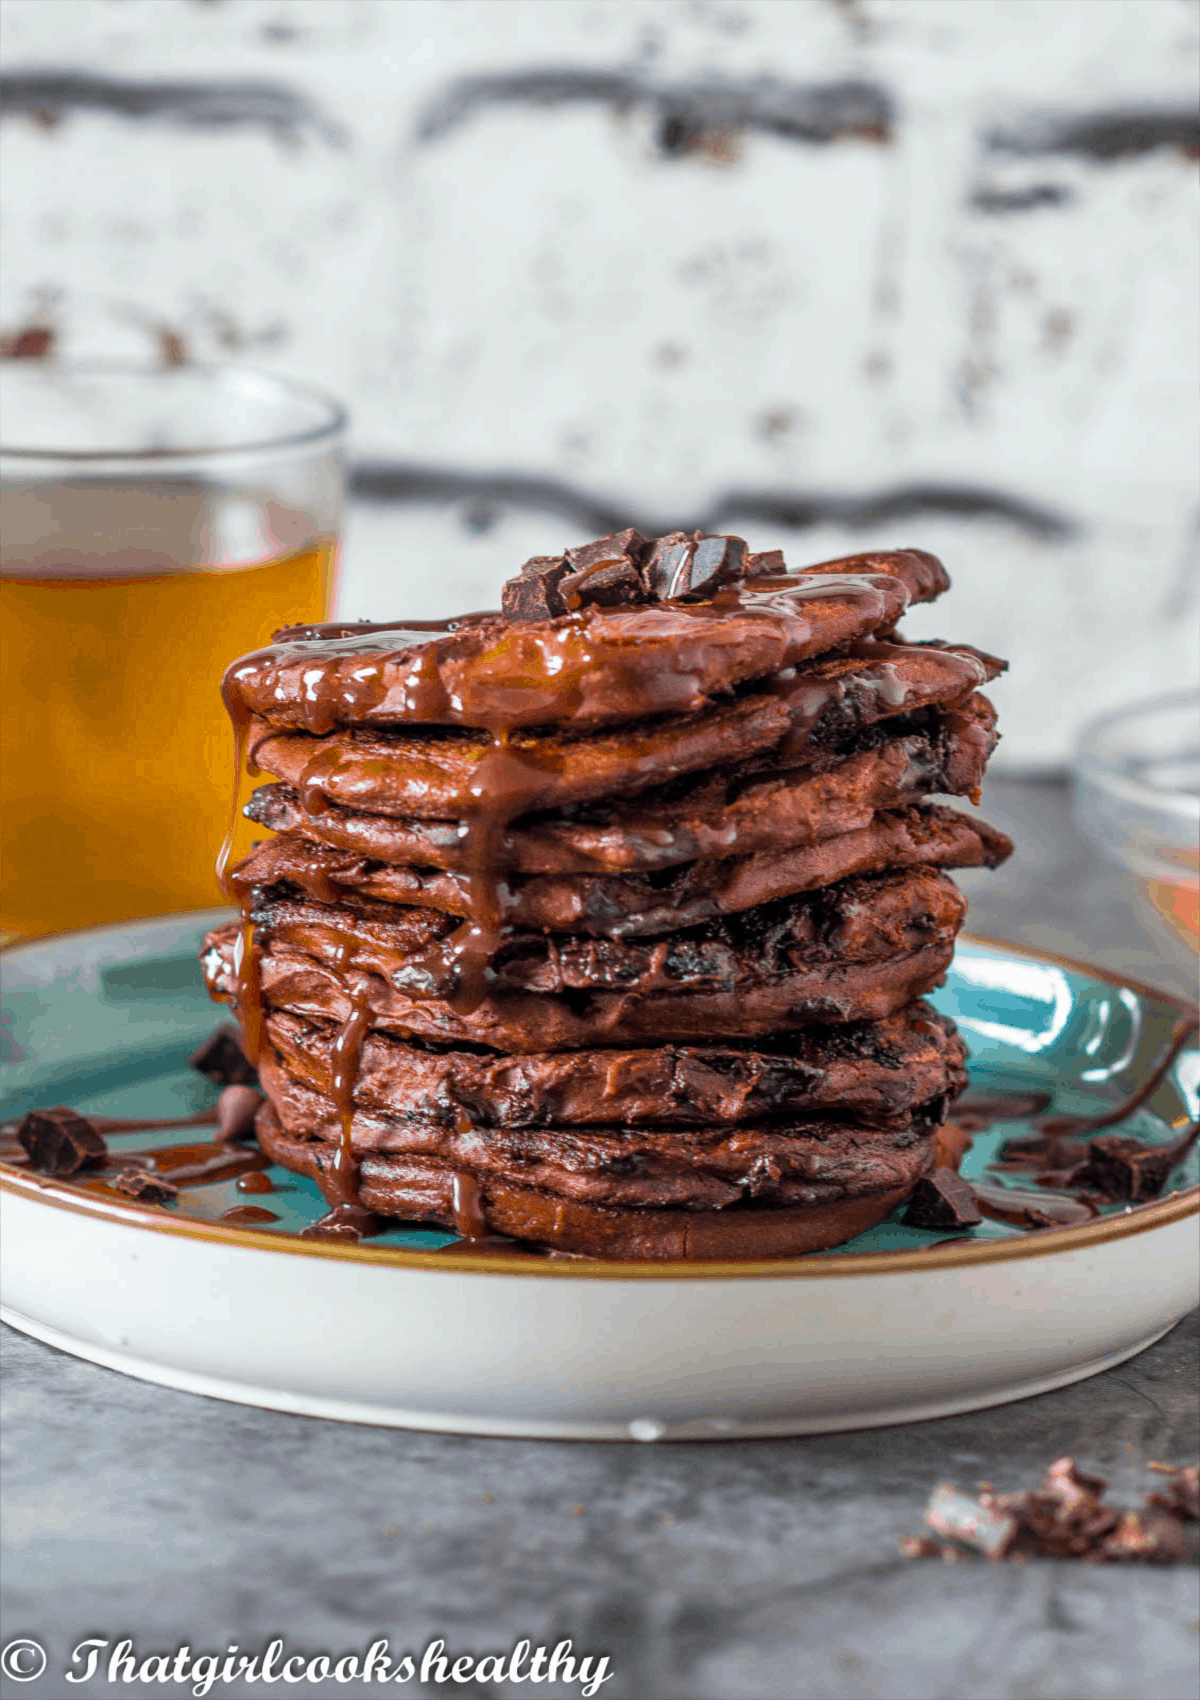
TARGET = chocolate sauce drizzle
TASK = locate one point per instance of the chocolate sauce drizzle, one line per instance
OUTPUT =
(1183, 1030)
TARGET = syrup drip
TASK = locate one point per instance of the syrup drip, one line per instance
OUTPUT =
(246, 1214)
(505, 784)
(249, 991)
(243, 761)
(470, 1219)
(342, 1175)
(471, 1224)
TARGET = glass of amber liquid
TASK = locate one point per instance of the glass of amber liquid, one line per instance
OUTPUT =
(154, 525)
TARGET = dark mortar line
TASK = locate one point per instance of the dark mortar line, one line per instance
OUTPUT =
(990, 199)
(685, 112)
(401, 482)
(214, 103)
(1120, 133)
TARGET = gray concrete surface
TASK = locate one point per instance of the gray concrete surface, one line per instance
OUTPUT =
(746, 1571)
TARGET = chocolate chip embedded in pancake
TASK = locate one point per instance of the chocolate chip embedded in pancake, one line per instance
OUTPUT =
(624, 905)
(433, 774)
(856, 951)
(734, 811)
(423, 1190)
(874, 1071)
(595, 667)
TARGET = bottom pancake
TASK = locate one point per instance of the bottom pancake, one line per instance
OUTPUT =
(428, 1189)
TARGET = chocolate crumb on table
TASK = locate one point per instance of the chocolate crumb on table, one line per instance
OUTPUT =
(1065, 1517)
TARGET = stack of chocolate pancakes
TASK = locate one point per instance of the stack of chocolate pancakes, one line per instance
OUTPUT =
(603, 923)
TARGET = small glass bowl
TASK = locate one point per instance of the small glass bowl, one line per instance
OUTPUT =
(1138, 799)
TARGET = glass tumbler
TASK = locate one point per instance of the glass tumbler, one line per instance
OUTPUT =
(154, 525)
(1138, 800)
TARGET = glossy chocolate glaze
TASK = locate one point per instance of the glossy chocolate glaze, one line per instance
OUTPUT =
(596, 666)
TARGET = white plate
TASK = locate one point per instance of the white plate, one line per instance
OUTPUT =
(391, 1333)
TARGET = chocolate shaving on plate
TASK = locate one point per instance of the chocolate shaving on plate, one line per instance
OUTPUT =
(145, 1187)
(942, 1200)
(59, 1141)
(221, 1060)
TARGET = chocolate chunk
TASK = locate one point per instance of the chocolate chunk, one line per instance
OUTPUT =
(975, 1522)
(679, 565)
(1182, 1497)
(1064, 1517)
(1145, 1537)
(145, 1187)
(221, 1059)
(236, 1109)
(942, 1200)
(606, 584)
(1125, 1168)
(717, 561)
(627, 545)
(605, 573)
(534, 593)
(769, 564)
(667, 566)
(60, 1141)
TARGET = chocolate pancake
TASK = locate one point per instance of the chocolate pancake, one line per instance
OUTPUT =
(741, 810)
(878, 1072)
(435, 774)
(856, 951)
(874, 1177)
(594, 667)
(623, 905)
(696, 1168)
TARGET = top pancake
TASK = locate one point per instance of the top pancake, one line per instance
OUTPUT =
(434, 774)
(598, 665)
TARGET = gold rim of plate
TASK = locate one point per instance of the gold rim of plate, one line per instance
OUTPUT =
(1045, 1242)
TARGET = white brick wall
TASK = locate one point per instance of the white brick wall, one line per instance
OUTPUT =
(542, 290)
